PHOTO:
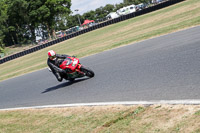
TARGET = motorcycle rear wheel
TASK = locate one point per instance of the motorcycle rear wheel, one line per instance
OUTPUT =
(88, 72)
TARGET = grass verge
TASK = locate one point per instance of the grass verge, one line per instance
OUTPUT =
(170, 19)
(103, 119)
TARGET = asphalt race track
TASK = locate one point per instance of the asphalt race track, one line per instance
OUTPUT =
(163, 68)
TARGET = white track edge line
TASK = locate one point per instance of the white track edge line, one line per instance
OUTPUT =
(171, 102)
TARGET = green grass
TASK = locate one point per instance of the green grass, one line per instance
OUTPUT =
(167, 20)
(197, 113)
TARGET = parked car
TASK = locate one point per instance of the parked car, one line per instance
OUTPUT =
(141, 6)
(126, 10)
(112, 15)
(93, 23)
(71, 30)
(156, 1)
(42, 41)
(59, 34)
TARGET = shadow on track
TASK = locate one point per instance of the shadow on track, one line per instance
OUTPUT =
(65, 84)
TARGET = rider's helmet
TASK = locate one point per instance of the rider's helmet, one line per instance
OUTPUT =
(52, 55)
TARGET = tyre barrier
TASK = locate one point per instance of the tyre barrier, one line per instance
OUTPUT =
(99, 25)
(79, 33)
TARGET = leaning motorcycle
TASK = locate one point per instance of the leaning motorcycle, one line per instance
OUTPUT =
(74, 69)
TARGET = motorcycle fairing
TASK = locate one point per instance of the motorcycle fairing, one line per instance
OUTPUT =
(70, 62)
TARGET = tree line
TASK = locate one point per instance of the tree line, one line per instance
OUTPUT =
(22, 20)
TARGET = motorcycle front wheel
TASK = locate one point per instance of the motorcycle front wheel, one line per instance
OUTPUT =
(88, 72)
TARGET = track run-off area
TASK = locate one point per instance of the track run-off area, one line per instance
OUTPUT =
(161, 69)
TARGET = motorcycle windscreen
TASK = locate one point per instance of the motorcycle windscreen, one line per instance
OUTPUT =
(65, 63)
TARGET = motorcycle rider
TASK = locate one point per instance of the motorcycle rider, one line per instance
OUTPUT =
(53, 63)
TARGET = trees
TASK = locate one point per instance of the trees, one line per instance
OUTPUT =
(19, 19)
(33, 17)
(52, 11)
(91, 15)
(1, 40)
(109, 8)
(72, 20)
(3, 19)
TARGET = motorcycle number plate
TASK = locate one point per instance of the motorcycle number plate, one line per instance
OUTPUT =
(75, 62)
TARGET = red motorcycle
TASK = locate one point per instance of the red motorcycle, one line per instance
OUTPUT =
(75, 69)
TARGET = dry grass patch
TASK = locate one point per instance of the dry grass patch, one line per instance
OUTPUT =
(100, 119)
